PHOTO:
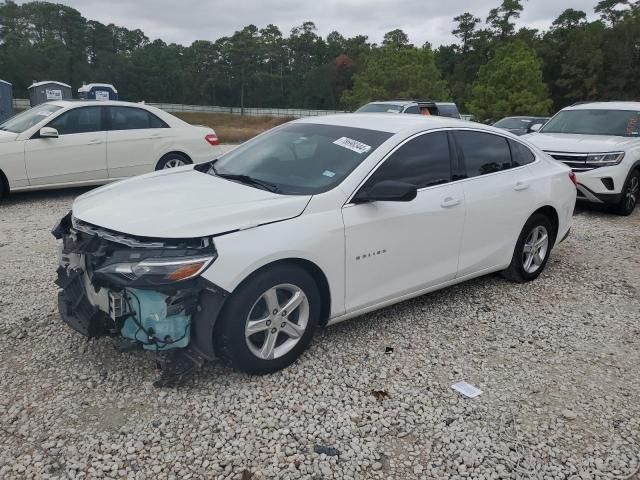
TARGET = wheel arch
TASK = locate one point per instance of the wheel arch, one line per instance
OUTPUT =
(174, 152)
(4, 184)
(312, 269)
(552, 214)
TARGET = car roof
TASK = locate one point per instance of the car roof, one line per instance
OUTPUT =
(605, 106)
(384, 122)
(81, 103)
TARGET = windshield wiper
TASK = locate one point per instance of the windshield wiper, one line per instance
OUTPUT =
(249, 180)
(210, 168)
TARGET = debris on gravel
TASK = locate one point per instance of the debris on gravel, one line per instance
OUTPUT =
(557, 361)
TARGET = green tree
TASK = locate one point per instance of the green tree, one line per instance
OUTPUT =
(397, 70)
(465, 30)
(510, 84)
(500, 18)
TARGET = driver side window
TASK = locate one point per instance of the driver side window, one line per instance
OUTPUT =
(78, 120)
(423, 161)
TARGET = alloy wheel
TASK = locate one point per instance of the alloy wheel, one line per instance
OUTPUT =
(535, 249)
(174, 162)
(632, 193)
(277, 321)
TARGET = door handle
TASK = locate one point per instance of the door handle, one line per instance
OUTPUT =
(519, 186)
(95, 142)
(450, 202)
(155, 135)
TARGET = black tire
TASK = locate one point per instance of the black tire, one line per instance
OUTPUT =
(229, 339)
(516, 271)
(630, 193)
(172, 157)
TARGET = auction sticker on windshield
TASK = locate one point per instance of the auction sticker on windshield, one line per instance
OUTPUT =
(353, 145)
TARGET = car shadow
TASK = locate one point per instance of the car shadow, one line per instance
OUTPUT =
(16, 198)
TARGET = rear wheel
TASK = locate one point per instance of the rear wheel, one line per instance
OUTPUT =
(269, 320)
(532, 249)
(630, 194)
(172, 160)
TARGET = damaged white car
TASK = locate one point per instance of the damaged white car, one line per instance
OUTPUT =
(311, 223)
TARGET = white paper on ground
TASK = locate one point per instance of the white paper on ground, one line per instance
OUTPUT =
(466, 389)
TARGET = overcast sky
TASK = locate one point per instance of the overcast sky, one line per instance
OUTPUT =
(183, 21)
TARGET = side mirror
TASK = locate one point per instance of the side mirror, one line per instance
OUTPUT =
(48, 132)
(387, 191)
(535, 127)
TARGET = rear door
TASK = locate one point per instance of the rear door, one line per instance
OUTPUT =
(397, 248)
(135, 141)
(498, 196)
(77, 155)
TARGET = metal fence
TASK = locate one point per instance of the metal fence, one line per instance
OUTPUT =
(251, 111)
(21, 104)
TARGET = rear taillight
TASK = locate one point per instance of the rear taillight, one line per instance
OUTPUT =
(574, 179)
(212, 139)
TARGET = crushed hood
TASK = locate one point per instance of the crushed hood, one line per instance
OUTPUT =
(564, 142)
(183, 203)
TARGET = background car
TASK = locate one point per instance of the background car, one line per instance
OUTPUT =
(375, 209)
(419, 107)
(521, 125)
(600, 141)
(65, 143)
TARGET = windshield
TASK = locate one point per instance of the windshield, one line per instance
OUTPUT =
(380, 107)
(511, 122)
(301, 158)
(27, 119)
(620, 123)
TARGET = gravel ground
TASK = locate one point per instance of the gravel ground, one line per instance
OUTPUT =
(557, 361)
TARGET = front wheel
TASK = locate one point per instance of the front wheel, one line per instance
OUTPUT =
(532, 250)
(630, 194)
(269, 320)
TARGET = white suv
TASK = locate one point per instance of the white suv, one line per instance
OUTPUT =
(601, 143)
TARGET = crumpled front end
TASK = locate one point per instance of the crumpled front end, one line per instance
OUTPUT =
(147, 290)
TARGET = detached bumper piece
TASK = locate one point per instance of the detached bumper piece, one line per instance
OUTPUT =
(75, 308)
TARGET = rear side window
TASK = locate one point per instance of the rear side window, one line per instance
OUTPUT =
(78, 120)
(130, 118)
(483, 152)
(423, 161)
(520, 155)
(448, 111)
(413, 109)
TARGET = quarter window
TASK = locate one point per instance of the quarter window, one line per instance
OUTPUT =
(78, 120)
(483, 152)
(129, 118)
(520, 155)
(423, 161)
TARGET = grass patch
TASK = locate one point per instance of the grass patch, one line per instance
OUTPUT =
(232, 128)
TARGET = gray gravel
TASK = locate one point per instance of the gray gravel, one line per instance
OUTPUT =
(557, 361)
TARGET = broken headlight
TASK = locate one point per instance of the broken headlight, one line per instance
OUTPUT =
(158, 271)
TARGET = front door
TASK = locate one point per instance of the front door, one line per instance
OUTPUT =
(79, 153)
(397, 248)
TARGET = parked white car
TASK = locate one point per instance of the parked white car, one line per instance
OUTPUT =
(316, 221)
(74, 143)
(600, 141)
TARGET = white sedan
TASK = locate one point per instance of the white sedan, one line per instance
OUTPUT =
(74, 143)
(311, 223)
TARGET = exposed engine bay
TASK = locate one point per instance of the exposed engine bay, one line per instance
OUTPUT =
(148, 291)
